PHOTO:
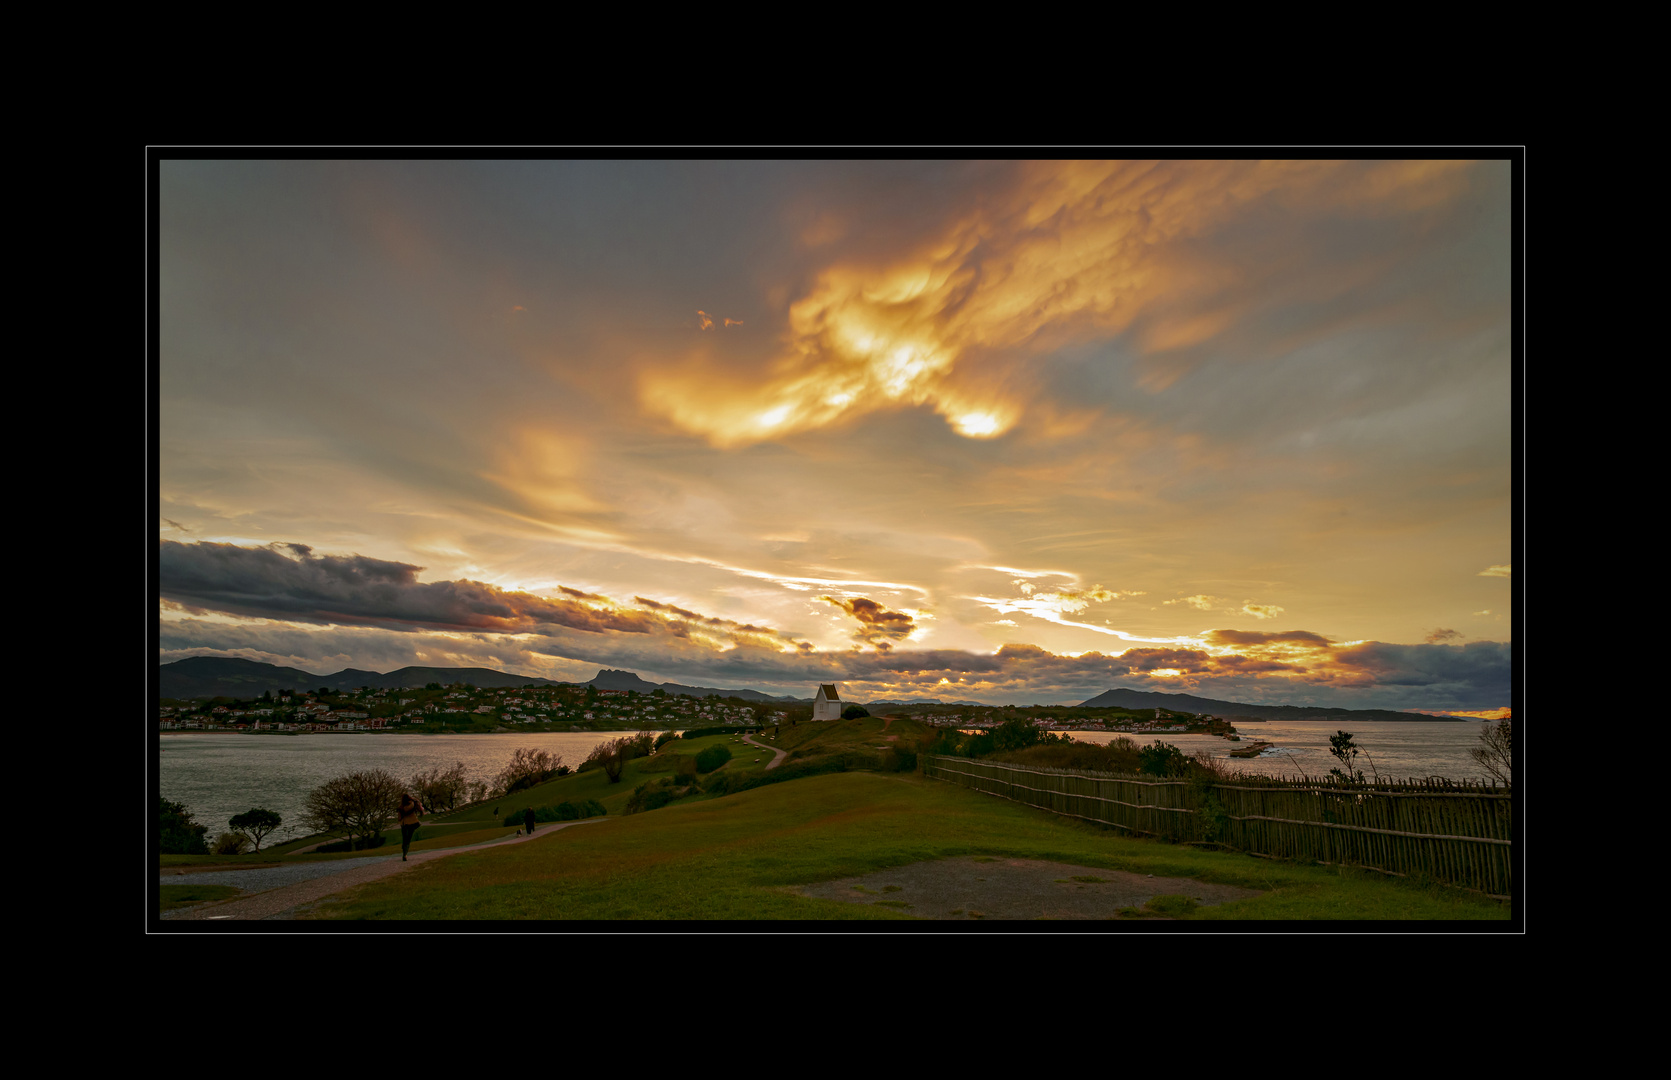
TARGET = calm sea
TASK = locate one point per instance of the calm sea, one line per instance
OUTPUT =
(217, 776)
(1400, 749)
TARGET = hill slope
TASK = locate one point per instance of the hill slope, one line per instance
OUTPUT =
(1122, 698)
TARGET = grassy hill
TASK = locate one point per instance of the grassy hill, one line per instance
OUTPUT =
(738, 856)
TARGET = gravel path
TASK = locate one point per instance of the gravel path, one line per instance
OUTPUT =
(775, 762)
(282, 901)
(270, 878)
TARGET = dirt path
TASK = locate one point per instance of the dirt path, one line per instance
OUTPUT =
(776, 761)
(283, 902)
(980, 888)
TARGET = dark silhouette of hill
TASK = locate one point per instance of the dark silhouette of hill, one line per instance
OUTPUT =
(610, 679)
(235, 677)
(1122, 698)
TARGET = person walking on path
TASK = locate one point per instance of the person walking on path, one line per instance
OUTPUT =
(410, 809)
(528, 820)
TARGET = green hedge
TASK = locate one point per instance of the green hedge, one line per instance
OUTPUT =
(712, 758)
(563, 811)
(728, 729)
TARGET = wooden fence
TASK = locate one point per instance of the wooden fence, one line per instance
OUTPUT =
(1452, 832)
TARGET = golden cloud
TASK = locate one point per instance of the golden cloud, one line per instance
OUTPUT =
(1073, 249)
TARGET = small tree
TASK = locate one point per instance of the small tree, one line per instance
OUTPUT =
(255, 824)
(1346, 751)
(1495, 752)
(358, 806)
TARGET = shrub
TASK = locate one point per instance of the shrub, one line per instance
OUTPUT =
(180, 834)
(563, 811)
(230, 843)
(1118, 756)
(650, 796)
(853, 712)
(712, 758)
(1162, 759)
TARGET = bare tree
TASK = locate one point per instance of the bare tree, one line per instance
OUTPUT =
(441, 787)
(1495, 752)
(359, 805)
(528, 766)
(612, 756)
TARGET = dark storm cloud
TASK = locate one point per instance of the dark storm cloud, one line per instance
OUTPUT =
(265, 582)
(1476, 670)
(878, 626)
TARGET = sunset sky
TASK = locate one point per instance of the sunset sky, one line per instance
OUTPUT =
(1005, 431)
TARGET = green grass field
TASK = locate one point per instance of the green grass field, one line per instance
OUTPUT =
(737, 857)
(707, 857)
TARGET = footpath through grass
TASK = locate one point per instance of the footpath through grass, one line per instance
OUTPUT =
(737, 856)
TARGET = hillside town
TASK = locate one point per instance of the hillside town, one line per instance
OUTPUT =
(460, 707)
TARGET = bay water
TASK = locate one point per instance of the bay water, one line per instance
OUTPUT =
(1402, 749)
(219, 775)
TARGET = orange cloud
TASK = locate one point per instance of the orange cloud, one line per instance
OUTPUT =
(879, 626)
(1073, 249)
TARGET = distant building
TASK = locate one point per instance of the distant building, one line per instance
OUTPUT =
(826, 704)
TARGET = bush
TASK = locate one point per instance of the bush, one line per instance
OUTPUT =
(853, 712)
(712, 758)
(1162, 759)
(230, 843)
(650, 796)
(1118, 756)
(563, 811)
(180, 834)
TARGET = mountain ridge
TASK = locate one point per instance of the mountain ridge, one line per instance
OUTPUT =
(234, 676)
(1121, 697)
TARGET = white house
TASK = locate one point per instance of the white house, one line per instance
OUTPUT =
(826, 704)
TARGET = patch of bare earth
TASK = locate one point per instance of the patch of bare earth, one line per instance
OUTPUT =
(983, 888)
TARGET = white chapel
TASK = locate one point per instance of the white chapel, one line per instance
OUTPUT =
(826, 704)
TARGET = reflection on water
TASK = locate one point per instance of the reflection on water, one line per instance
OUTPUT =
(217, 776)
(1399, 749)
